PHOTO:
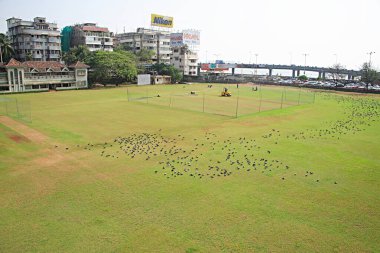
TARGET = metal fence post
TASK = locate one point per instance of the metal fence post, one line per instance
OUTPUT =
(18, 112)
(261, 98)
(203, 102)
(6, 107)
(299, 96)
(237, 104)
(282, 98)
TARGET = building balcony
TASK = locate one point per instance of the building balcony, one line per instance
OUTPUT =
(92, 42)
(37, 47)
(37, 56)
(108, 43)
(53, 56)
(40, 32)
(54, 40)
(31, 79)
(37, 39)
(162, 52)
(54, 48)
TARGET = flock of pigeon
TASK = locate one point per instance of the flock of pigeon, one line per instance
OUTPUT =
(208, 156)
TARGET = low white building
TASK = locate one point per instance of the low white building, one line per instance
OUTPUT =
(30, 76)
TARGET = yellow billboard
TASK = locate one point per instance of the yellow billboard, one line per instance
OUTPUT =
(160, 20)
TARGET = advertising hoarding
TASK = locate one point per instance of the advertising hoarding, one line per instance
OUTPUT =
(160, 20)
(213, 67)
(176, 39)
(191, 37)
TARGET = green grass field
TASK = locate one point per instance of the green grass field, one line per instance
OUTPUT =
(246, 99)
(118, 176)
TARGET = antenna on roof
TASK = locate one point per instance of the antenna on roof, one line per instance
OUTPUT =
(123, 29)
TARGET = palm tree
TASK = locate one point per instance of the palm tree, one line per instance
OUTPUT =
(6, 50)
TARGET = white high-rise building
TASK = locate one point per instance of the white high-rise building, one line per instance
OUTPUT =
(94, 37)
(35, 40)
(156, 41)
(185, 46)
(185, 59)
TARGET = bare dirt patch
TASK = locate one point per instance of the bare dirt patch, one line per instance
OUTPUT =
(27, 132)
(18, 138)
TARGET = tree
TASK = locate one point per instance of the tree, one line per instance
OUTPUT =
(29, 56)
(123, 47)
(169, 70)
(145, 55)
(112, 67)
(302, 78)
(6, 49)
(369, 75)
(80, 53)
(336, 72)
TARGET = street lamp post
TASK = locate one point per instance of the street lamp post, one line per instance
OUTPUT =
(305, 62)
(217, 57)
(256, 55)
(370, 57)
(336, 59)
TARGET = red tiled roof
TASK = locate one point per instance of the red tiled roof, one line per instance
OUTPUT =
(79, 64)
(94, 29)
(44, 65)
(13, 63)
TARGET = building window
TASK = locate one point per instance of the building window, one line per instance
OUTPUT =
(81, 72)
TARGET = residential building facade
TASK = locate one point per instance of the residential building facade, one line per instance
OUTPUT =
(156, 41)
(185, 59)
(89, 34)
(35, 40)
(185, 46)
(41, 76)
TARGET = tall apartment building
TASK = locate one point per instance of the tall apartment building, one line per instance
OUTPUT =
(35, 40)
(157, 41)
(185, 59)
(89, 34)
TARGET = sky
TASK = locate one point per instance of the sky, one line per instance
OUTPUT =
(278, 31)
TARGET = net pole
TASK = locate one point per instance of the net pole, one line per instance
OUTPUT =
(314, 98)
(18, 112)
(282, 98)
(299, 95)
(6, 107)
(128, 94)
(286, 88)
(261, 98)
(203, 102)
(237, 104)
(147, 97)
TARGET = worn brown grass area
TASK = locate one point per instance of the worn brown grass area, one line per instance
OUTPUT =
(24, 130)
(18, 138)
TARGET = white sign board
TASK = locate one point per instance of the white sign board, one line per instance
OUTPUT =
(191, 37)
(143, 79)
